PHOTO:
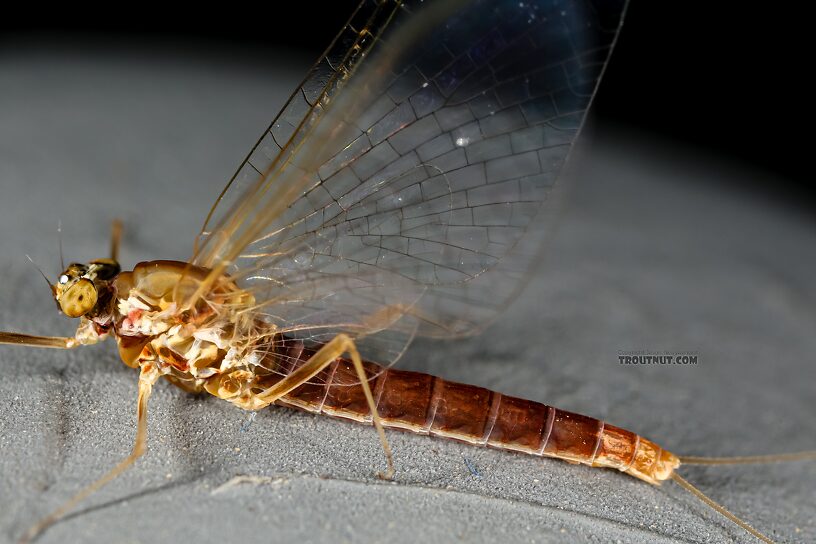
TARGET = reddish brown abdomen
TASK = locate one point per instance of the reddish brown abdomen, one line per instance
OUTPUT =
(425, 404)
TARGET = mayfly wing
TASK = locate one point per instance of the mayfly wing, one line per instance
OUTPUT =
(393, 192)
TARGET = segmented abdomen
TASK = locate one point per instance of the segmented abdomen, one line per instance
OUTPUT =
(426, 404)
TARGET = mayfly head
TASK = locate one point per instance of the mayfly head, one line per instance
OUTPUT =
(77, 290)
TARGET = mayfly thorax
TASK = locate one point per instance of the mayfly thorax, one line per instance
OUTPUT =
(397, 194)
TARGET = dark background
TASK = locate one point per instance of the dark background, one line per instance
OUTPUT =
(729, 81)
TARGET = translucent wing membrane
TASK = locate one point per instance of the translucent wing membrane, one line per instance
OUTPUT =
(399, 191)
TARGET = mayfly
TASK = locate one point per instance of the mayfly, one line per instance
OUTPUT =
(397, 194)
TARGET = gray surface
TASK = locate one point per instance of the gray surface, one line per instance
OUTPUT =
(650, 255)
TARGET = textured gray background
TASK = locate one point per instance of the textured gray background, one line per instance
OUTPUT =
(655, 251)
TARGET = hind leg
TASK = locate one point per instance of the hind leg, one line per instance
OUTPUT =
(339, 345)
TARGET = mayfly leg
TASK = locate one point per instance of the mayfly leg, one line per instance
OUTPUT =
(339, 345)
(56, 342)
(116, 237)
(147, 378)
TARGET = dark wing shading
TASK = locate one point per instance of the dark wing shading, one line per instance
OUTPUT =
(400, 188)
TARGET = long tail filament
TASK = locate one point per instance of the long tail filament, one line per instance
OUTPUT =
(746, 460)
(751, 459)
(721, 510)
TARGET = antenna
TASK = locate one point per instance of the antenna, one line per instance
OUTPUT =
(59, 237)
(51, 287)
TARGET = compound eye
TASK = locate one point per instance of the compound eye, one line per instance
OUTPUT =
(78, 299)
